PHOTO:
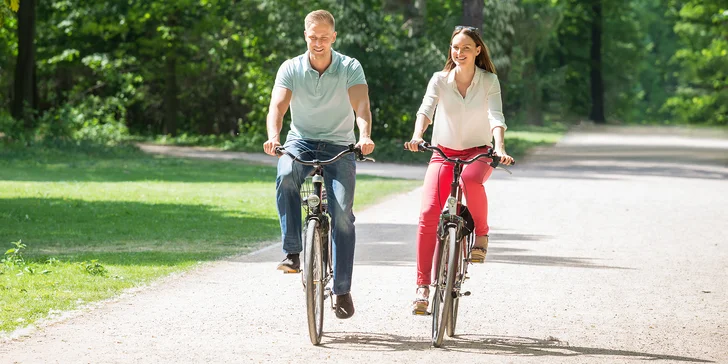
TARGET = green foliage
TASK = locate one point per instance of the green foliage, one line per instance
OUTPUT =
(702, 62)
(13, 257)
(93, 268)
(7, 9)
(108, 70)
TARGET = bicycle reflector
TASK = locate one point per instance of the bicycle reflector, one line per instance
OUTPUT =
(313, 201)
(451, 203)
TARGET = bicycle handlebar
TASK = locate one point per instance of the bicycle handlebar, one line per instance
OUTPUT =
(491, 154)
(350, 149)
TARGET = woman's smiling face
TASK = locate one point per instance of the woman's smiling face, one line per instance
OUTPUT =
(463, 50)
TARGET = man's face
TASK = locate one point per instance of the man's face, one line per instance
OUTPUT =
(319, 37)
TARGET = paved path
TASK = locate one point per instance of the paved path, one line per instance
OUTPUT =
(606, 248)
(374, 169)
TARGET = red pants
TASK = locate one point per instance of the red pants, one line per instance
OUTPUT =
(435, 193)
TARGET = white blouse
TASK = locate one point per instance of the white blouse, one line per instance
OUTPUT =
(462, 123)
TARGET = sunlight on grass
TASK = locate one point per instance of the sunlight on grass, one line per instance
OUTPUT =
(535, 136)
(139, 217)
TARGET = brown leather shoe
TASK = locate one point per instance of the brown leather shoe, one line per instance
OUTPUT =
(292, 264)
(344, 306)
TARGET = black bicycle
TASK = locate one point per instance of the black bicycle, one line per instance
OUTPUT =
(318, 262)
(456, 238)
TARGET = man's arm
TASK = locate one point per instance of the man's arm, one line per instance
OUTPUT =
(280, 100)
(359, 98)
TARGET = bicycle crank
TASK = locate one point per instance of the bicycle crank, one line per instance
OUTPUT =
(328, 294)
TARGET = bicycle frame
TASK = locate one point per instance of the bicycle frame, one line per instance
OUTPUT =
(451, 215)
(317, 211)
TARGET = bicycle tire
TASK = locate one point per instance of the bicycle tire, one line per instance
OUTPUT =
(463, 253)
(447, 270)
(314, 273)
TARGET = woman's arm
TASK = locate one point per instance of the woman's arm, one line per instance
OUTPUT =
(424, 114)
(498, 122)
(420, 127)
(500, 145)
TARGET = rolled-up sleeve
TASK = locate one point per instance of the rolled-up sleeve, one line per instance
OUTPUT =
(431, 98)
(495, 106)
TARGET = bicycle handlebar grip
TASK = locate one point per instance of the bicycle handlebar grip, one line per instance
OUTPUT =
(496, 161)
(422, 147)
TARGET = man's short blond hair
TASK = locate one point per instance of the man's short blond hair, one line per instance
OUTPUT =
(320, 16)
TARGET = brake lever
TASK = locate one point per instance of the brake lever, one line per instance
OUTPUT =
(360, 156)
(505, 169)
(496, 164)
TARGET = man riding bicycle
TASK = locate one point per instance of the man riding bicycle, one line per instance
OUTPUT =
(327, 93)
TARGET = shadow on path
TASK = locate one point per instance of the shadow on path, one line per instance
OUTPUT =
(485, 345)
(617, 161)
(394, 245)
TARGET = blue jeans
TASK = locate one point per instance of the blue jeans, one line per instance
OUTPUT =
(339, 179)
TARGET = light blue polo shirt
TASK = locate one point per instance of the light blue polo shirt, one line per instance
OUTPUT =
(320, 106)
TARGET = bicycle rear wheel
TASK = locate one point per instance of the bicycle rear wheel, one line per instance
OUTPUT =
(446, 272)
(314, 273)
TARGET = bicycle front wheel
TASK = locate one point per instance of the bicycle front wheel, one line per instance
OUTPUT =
(314, 273)
(462, 272)
(444, 287)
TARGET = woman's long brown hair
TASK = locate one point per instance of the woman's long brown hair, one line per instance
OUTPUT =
(482, 60)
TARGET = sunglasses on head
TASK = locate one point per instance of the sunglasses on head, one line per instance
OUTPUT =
(472, 29)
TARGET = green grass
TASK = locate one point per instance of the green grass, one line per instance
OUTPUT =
(139, 217)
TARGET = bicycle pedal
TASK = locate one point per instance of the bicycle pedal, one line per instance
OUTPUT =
(466, 293)
(291, 271)
(471, 260)
(420, 313)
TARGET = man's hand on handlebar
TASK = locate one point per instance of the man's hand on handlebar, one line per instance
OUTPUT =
(270, 146)
(366, 145)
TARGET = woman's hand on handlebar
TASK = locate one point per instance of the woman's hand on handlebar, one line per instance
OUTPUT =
(413, 144)
(504, 157)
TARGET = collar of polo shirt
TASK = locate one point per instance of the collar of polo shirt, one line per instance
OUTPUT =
(333, 67)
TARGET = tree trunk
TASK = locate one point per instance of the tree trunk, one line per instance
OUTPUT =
(415, 15)
(473, 13)
(419, 17)
(597, 83)
(533, 95)
(25, 88)
(171, 100)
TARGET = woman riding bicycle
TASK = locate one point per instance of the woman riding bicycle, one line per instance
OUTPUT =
(467, 96)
